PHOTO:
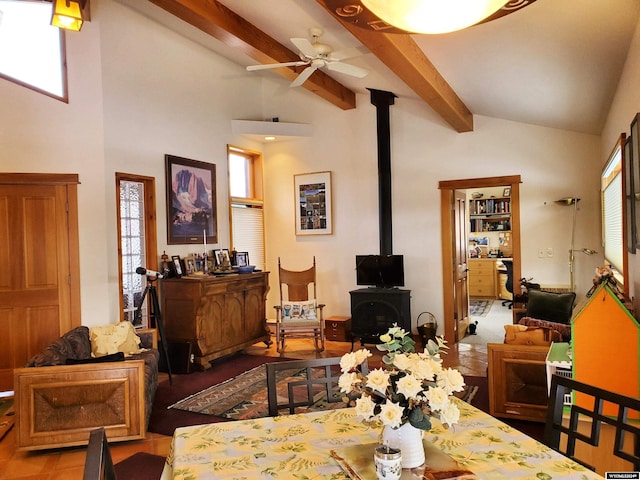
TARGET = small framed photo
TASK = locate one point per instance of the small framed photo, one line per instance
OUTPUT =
(221, 256)
(176, 266)
(242, 259)
(190, 264)
(506, 192)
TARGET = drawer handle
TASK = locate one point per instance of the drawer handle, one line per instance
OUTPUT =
(334, 325)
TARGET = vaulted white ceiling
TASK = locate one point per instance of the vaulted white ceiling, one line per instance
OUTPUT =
(555, 63)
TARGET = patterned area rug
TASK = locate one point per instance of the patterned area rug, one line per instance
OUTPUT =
(480, 308)
(245, 396)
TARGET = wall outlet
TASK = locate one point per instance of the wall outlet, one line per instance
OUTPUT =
(549, 252)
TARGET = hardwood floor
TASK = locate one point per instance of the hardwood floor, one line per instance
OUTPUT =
(68, 464)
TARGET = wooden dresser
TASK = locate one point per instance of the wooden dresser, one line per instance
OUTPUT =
(482, 277)
(217, 315)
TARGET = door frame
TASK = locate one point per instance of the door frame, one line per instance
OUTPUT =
(447, 200)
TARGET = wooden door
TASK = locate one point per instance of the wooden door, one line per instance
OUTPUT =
(461, 287)
(449, 228)
(39, 278)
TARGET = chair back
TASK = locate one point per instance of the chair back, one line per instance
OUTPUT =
(508, 264)
(299, 286)
(307, 379)
(583, 426)
(98, 465)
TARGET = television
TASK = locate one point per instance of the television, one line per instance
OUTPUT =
(382, 271)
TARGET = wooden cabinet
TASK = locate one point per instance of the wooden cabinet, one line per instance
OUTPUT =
(482, 277)
(218, 315)
(338, 329)
(490, 215)
(517, 381)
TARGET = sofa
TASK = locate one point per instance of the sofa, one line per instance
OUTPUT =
(71, 388)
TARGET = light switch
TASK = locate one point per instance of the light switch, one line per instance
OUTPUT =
(549, 252)
(540, 253)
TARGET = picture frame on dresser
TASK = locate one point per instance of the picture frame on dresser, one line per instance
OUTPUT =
(242, 259)
(221, 255)
(191, 201)
(176, 266)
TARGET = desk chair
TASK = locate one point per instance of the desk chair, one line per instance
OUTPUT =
(98, 465)
(309, 381)
(624, 420)
(299, 315)
(508, 264)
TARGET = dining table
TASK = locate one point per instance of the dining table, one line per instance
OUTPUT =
(314, 446)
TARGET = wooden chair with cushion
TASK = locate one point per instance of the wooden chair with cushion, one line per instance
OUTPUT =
(595, 427)
(307, 382)
(299, 314)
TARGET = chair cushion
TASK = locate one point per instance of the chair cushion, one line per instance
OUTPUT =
(299, 311)
(550, 306)
(562, 328)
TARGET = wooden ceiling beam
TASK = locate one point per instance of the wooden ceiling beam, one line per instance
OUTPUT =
(215, 19)
(403, 56)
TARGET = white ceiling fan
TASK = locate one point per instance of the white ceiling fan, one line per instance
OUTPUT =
(317, 55)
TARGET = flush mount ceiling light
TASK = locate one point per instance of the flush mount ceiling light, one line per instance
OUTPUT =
(422, 16)
(70, 14)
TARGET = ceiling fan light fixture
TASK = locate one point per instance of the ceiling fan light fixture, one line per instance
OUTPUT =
(433, 16)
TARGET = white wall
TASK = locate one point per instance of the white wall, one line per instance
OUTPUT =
(625, 106)
(553, 164)
(140, 91)
(137, 92)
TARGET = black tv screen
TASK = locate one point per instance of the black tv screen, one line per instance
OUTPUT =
(384, 271)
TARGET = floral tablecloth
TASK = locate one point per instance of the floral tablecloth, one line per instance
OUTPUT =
(298, 446)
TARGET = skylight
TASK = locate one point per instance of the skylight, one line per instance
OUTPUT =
(30, 48)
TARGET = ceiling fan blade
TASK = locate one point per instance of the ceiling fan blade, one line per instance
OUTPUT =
(306, 73)
(251, 68)
(347, 69)
(305, 47)
(346, 53)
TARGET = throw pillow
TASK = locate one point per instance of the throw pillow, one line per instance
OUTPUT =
(522, 335)
(562, 328)
(299, 311)
(113, 338)
(550, 306)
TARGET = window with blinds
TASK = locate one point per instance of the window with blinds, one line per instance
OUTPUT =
(247, 214)
(613, 214)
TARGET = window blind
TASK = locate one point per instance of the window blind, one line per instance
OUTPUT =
(613, 218)
(248, 232)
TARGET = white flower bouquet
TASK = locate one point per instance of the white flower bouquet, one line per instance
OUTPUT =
(412, 388)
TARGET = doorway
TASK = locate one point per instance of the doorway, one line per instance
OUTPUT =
(454, 267)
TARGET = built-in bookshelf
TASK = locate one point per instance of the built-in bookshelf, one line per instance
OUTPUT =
(490, 214)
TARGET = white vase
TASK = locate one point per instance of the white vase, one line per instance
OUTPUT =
(409, 440)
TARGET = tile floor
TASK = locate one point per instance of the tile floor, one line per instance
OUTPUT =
(68, 464)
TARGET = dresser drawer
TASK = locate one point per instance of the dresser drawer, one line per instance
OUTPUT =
(337, 329)
(481, 267)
